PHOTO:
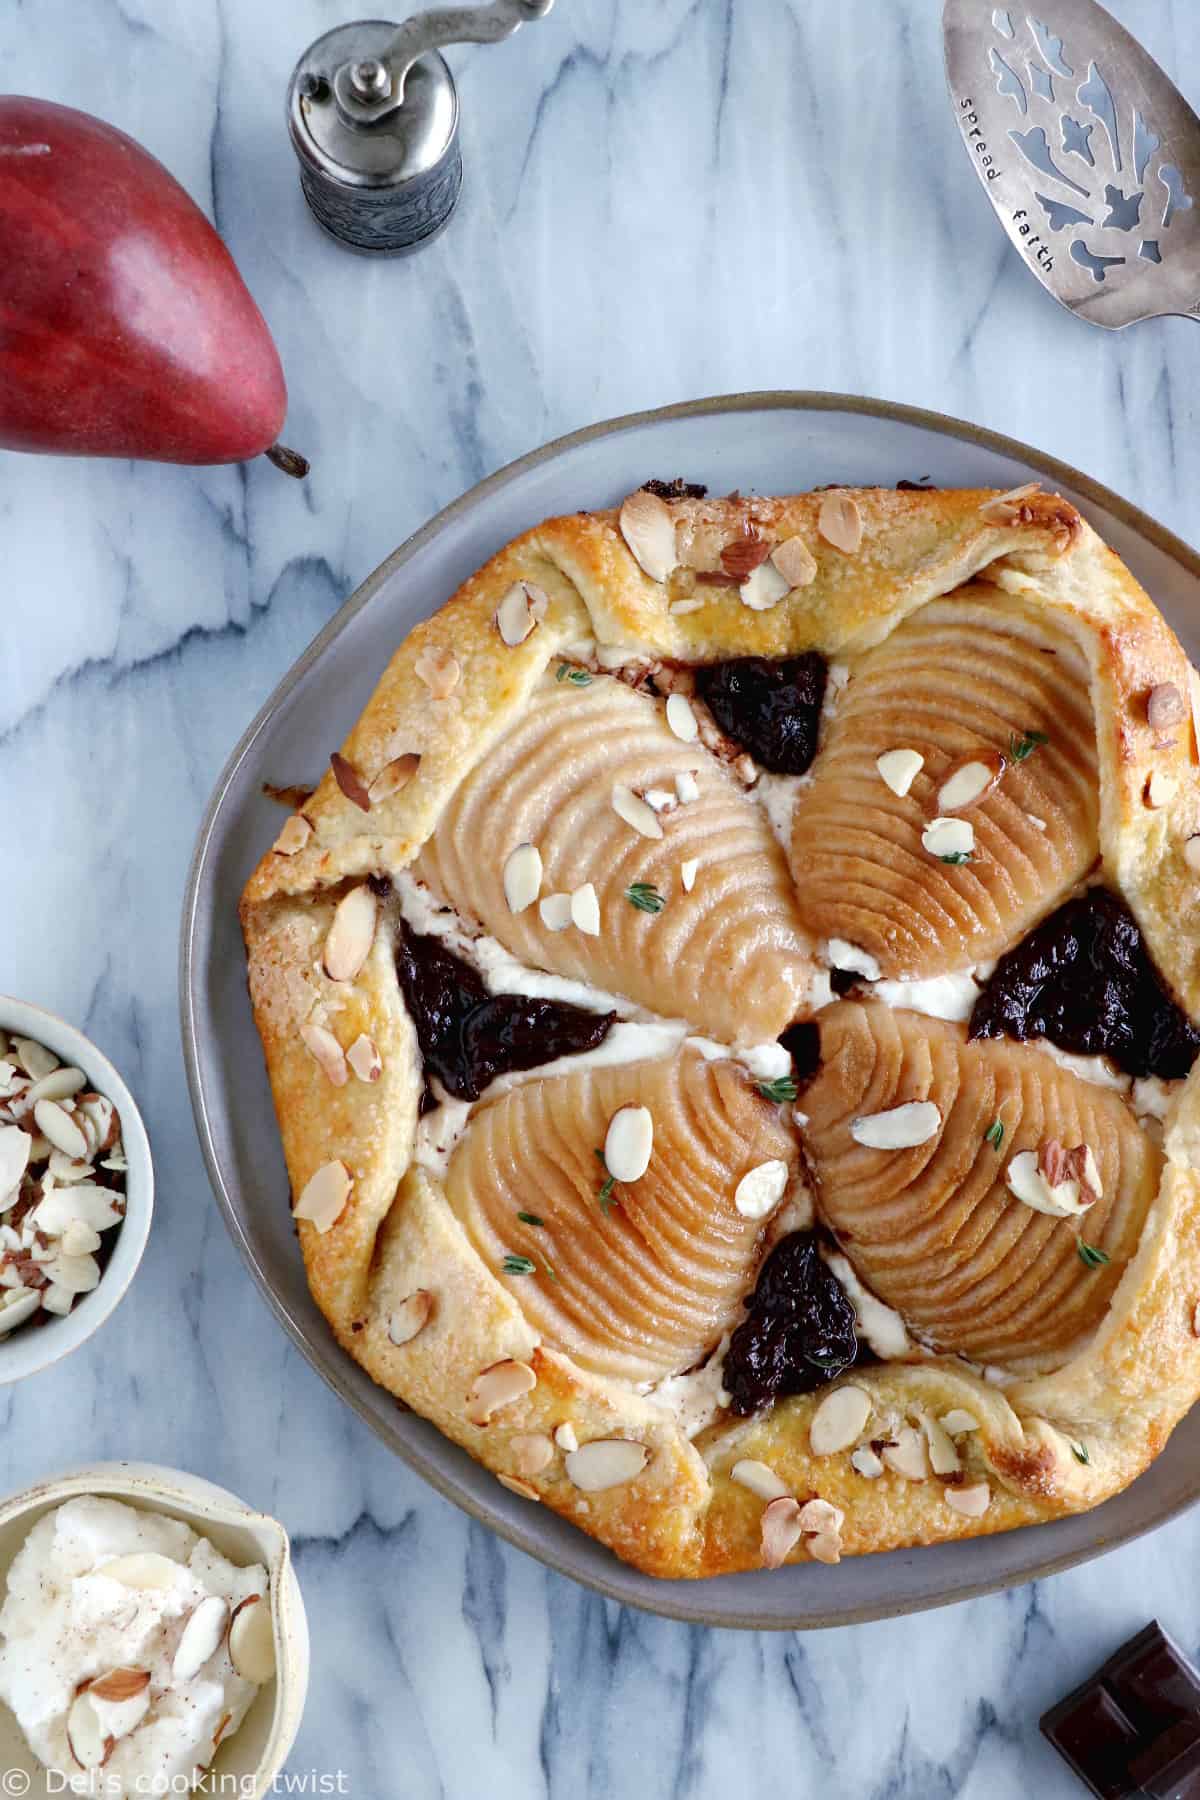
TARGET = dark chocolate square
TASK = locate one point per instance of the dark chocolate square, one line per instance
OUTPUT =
(1133, 1728)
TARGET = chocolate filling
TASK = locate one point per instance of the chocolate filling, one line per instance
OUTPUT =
(1084, 979)
(678, 489)
(469, 1036)
(800, 1330)
(771, 708)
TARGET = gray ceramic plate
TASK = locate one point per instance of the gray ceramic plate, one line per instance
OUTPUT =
(777, 444)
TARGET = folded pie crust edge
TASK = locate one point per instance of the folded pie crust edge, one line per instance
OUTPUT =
(683, 1515)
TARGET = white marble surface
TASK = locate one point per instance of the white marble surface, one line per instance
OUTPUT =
(663, 200)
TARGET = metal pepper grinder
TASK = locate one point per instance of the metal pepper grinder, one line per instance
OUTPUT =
(373, 117)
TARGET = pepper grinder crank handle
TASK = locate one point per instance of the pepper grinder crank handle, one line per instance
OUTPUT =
(373, 119)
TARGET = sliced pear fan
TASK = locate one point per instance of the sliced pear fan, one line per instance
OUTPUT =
(973, 682)
(729, 952)
(644, 1285)
(933, 1228)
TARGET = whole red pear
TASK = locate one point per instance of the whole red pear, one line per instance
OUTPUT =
(125, 328)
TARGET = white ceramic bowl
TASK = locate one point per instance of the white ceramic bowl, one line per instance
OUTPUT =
(252, 1757)
(30, 1348)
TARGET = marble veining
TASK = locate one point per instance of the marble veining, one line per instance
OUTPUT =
(661, 201)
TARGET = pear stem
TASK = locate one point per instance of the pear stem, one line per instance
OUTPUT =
(290, 461)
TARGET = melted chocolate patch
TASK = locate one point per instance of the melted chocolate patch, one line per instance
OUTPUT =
(676, 490)
(800, 1330)
(1084, 979)
(802, 1042)
(771, 708)
(468, 1036)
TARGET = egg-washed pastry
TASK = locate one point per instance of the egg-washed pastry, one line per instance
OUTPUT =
(729, 1008)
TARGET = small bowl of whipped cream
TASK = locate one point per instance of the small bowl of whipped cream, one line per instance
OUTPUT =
(151, 1631)
(76, 1188)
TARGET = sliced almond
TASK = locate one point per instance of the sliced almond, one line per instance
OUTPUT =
(1006, 509)
(825, 1547)
(60, 1128)
(943, 1457)
(839, 1420)
(410, 1317)
(201, 1639)
(687, 873)
(33, 1057)
(900, 1128)
(760, 1478)
(821, 1516)
(648, 527)
(531, 1451)
(605, 1463)
(840, 523)
(119, 1717)
(324, 1195)
(555, 911)
(20, 1304)
(907, 1455)
(77, 1274)
(1161, 785)
(628, 1143)
(59, 1084)
(439, 670)
(515, 1485)
(394, 777)
(364, 1058)
(350, 781)
(969, 782)
(351, 934)
(564, 1436)
(687, 788)
(497, 1386)
(1191, 851)
(865, 1461)
(972, 1502)
(142, 1569)
(958, 1421)
(634, 810)
(585, 910)
(252, 1640)
(742, 554)
(87, 1741)
(949, 837)
(325, 1049)
(781, 1531)
(795, 562)
(761, 1189)
(899, 769)
(83, 1200)
(764, 588)
(522, 877)
(1024, 1178)
(79, 1239)
(1165, 707)
(14, 1156)
(520, 611)
(681, 607)
(681, 718)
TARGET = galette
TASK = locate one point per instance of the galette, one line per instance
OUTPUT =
(730, 1010)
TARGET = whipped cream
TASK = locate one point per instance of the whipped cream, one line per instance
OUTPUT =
(102, 1596)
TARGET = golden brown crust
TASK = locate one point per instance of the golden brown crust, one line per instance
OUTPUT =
(684, 1515)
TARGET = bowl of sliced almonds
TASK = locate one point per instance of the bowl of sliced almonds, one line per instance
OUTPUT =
(76, 1188)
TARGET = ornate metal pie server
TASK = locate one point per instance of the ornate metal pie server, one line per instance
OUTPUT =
(1089, 154)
